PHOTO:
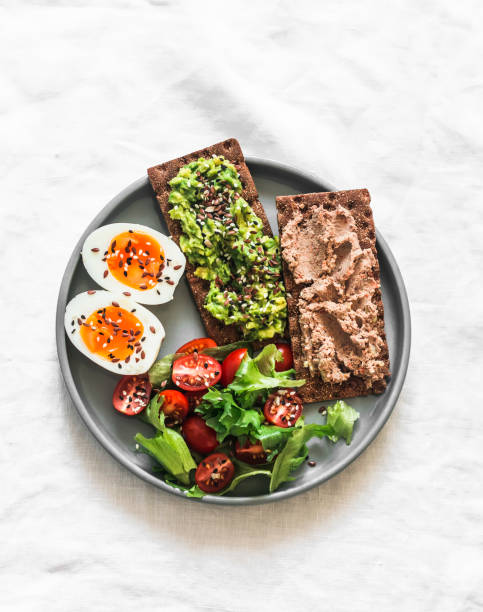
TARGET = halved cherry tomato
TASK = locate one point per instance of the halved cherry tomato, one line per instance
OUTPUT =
(250, 453)
(132, 394)
(197, 345)
(287, 362)
(198, 435)
(214, 473)
(283, 408)
(194, 398)
(231, 364)
(196, 372)
(175, 407)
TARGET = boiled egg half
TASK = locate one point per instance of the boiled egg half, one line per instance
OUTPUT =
(134, 260)
(114, 331)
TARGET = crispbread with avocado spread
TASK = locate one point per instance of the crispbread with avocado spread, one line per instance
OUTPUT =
(331, 274)
(210, 204)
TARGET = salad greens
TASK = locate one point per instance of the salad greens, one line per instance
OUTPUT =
(167, 446)
(258, 374)
(341, 417)
(237, 411)
(222, 413)
(340, 422)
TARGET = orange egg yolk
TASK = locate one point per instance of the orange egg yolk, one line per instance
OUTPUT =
(136, 260)
(113, 333)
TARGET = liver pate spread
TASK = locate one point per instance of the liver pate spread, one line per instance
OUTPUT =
(337, 314)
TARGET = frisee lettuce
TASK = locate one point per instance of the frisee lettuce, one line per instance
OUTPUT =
(222, 413)
(256, 377)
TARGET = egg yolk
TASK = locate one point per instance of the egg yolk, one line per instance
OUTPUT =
(113, 333)
(136, 260)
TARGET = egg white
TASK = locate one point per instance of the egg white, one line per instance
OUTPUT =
(102, 237)
(88, 302)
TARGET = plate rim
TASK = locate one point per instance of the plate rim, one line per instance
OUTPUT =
(397, 378)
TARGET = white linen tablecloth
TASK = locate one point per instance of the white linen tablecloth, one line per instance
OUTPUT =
(384, 95)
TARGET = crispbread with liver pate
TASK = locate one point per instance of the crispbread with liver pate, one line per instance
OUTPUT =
(353, 214)
(160, 176)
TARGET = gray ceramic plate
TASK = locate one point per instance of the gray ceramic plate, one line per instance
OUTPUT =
(91, 387)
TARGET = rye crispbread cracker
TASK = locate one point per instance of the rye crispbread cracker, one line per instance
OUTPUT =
(160, 176)
(357, 201)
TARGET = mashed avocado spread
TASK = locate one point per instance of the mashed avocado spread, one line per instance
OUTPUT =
(223, 238)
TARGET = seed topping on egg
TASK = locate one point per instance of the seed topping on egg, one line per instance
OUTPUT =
(134, 261)
(109, 333)
(134, 256)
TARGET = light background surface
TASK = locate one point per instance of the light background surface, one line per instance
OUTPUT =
(384, 95)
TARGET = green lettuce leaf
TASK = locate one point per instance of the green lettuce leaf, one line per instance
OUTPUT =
(291, 456)
(265, 360)
(167, 446)
(256, 377)
(160, 371)
(221, 412)
(154, 413)
(241, 477)
(170, 450)
(272, 438)
(340, 422)
(341, 418)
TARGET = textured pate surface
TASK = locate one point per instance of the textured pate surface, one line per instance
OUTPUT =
(358, 203)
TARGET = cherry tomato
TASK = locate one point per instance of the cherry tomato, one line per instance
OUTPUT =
(198, 435)
(214, 473)
(287, 362)
(132, 394)
(196, 372)
(175, 407)
(250, 453)
(231, 364)
(197, 345)
(283, 408)
(194, 398)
